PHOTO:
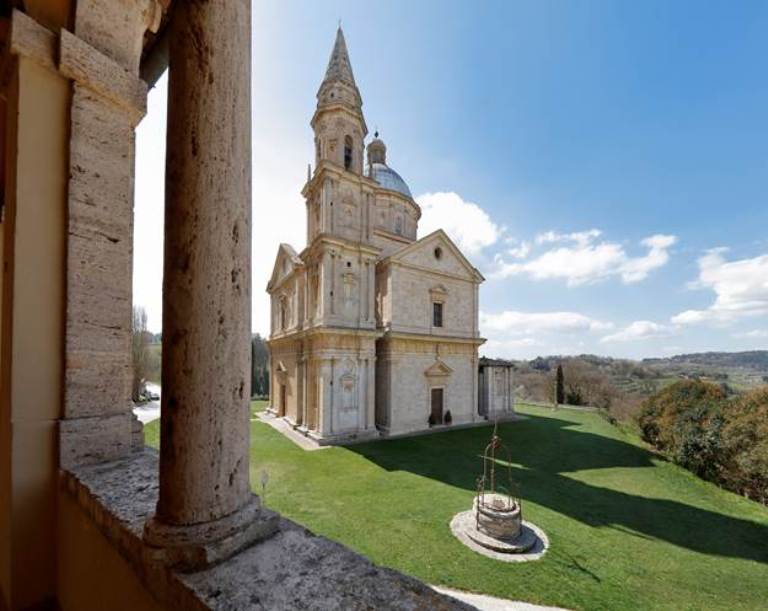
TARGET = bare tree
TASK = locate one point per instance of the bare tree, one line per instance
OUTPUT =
(140, 354)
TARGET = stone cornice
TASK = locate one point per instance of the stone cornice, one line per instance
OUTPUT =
(427, 270)
(340, 242)
(82, 63)
(424, 337)
(78, 61)
(392, 236)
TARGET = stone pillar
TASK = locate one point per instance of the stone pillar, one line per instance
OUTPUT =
(371, 399)
(305, 391)
(206, 510)
(101, 59)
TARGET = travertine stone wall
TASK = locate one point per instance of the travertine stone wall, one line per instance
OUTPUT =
(409, 282)
(108, 99)
(388, 207)
(407, 373)
(414, 292)
(338, 397)
(68, 205)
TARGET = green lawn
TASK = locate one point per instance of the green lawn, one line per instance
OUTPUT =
(627, 529)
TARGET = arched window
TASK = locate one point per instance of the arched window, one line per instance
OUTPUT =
(347, 152)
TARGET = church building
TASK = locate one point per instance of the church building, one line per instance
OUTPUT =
(373, 331)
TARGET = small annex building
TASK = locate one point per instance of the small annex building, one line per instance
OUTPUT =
(496, 400)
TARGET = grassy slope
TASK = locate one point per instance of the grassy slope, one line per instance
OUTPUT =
(627, 530)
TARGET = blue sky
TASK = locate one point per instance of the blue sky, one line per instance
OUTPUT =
(588, 156)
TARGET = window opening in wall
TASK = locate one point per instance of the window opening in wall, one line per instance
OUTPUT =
(438, 253)
(347, 152)
(437, 314)
(398, 225)
(349, 264)
(148, 239)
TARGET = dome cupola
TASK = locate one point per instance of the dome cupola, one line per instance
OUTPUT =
(377, 150)
(379, 171)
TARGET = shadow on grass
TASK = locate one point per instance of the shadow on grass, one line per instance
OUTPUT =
(543, 449)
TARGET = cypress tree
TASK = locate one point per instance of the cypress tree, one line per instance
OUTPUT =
(560, 386)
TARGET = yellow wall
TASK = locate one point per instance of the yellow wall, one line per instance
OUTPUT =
(92, 576)
(32, 330)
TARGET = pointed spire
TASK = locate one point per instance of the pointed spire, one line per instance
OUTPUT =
(339, 66)
(338, 88)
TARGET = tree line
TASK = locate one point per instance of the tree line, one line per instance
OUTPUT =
(259, 367)
(146, 350)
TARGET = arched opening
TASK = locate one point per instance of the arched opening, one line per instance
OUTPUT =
(347, 152)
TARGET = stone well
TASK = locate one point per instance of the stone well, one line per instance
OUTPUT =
(494, 526)
(498, 516)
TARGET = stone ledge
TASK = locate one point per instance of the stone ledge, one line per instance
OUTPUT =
(294, 569)
(84, 64)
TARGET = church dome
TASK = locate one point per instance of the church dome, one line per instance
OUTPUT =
(380, 171)
(388, 178)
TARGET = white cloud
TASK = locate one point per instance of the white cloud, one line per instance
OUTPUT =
(741, 289)
(580, 259)
(581, 238)
(513, 323)
(638, 268)
(639, 330)
(518, 250)
(465, 222)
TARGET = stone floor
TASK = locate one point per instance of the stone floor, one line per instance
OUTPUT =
(304, 442)
(483, 602)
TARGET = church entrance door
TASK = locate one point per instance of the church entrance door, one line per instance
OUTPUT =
(437, 405)
(281, 410)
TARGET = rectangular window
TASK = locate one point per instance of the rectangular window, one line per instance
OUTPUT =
(437, 314)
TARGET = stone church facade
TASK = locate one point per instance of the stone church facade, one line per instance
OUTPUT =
(373, 331)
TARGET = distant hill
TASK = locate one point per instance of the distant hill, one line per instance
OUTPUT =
(752, 359)
(622, 384)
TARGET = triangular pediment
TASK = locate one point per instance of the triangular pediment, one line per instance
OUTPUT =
(437, 251)
(438, 369)
(285, 262)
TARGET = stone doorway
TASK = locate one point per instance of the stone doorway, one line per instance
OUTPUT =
(437, 405)
(281, 407)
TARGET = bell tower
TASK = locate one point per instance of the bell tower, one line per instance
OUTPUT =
(338, 121)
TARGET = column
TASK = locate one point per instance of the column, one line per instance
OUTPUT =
(371, 392)
(206, 510)
(305, 392)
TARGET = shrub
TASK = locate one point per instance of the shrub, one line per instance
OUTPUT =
(431, 420)
(448, 418)
(720, 439)
(679, 411)
(745, 444)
